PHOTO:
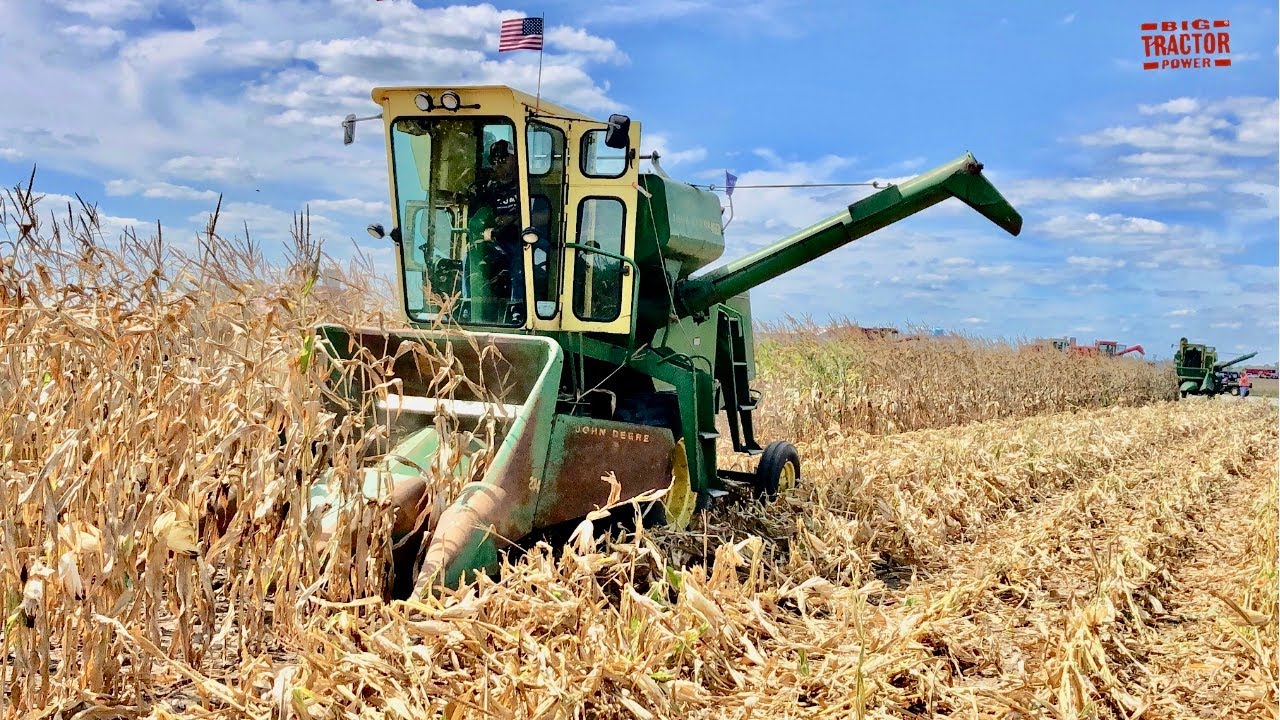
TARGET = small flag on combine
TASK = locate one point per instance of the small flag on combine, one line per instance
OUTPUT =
(521, 34)
(729, 181)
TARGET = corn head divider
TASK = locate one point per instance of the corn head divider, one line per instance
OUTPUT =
(587, 340)
(500, 443)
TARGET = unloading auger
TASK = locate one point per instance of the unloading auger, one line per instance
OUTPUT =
(561, 329)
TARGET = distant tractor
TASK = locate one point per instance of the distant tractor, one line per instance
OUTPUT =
(1229, 381)
(1200, 373)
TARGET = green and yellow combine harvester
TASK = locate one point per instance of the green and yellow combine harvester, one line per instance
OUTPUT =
(1200, 373)
(562, 327)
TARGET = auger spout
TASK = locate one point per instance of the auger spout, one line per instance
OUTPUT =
(1228, 363)
(961, 178)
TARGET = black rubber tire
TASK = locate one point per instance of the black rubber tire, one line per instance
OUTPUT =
(765, 483)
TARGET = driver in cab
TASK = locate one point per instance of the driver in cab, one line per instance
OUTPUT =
(494, 227)
(497, 197)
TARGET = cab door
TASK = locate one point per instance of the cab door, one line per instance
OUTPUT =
(600, 212)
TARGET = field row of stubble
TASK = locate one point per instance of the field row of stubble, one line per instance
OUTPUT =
(835, 377)
(1017, 563)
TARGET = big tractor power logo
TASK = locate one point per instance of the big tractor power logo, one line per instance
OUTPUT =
(1186, 44)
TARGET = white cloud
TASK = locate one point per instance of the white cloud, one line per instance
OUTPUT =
(973, 321)
(1102, 189)
(269, 223)
(97, 38)
(1268, 195)
(203, 167)
(1181, 312)
(1177, 106)
(164, 190)
(111, 10)
(1103, 227)
(577, 40)
(352, 206)
(1070, 18)
(1235, 325)
(8, 153)
(668, 157)
(1180, 165)
(1095, 263)
(1241, 126)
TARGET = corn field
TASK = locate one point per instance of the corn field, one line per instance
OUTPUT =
(884, 386)
(979, 532)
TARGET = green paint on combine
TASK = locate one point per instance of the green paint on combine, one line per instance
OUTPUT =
(584, 332)
(1198, 369)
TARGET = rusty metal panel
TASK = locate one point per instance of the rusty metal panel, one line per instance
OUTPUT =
(583, 450)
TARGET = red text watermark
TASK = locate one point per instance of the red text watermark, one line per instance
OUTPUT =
(1186, 44)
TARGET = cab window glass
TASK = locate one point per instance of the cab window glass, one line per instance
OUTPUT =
(545, 150)
(600, 160)
(597, 278)
(541, 151)
(459, 212)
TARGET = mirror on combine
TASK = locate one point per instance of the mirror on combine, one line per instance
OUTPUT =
(349, 129)
(619, 132)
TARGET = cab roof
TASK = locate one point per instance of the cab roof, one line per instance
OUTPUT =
(494, 92)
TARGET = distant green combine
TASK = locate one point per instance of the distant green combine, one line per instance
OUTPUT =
(1200, 373)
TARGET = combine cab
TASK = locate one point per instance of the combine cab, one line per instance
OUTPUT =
(1111, 348)
(568, 345)
(1062, 344)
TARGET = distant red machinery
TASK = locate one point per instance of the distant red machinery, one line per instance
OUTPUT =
(1111, 348)
(1101, 348)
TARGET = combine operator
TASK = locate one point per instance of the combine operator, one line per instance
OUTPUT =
(494, 227)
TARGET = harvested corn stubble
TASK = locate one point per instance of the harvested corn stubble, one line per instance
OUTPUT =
(1049, 555)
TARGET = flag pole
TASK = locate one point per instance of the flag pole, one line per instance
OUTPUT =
(537, 102)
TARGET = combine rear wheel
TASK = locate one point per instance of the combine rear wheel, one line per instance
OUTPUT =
(778, 471)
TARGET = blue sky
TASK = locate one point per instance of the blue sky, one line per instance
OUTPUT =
(1150, 197)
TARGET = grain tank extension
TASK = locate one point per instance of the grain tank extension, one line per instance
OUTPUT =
(574, 294)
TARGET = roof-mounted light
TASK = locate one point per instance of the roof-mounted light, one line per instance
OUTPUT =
(450, 101)
(424, 102)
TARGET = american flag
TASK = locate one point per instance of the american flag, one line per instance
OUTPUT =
(521, 34)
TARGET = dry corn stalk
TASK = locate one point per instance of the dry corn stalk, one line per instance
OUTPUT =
(156, 555)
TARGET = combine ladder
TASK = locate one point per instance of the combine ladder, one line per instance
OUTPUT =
(731, 370)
